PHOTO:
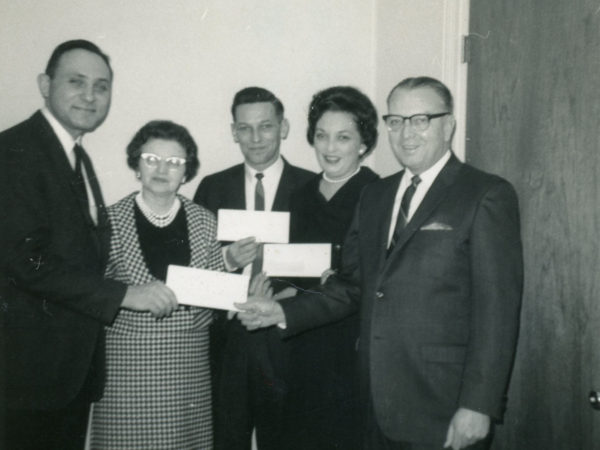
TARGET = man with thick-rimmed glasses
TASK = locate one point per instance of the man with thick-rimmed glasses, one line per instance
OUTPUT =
(433, 261)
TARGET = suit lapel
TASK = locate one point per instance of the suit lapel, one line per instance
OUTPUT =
(286, 184)
(102, 228)
(237, 199)
(377, 212)
(54, 151)
(386, 206)
(65, 175)
(436, 193)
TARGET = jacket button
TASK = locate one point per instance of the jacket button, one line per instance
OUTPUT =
(379, 294)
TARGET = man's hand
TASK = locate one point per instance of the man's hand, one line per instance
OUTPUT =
(285, 293)
(260, 286)
(154, 297)
(242, 252)
(466, 428)
(260, 312)
(326, 274)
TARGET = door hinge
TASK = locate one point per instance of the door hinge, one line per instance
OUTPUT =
(466, 49)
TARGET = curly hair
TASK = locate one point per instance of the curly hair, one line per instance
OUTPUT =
(170, 131)
(349, 100)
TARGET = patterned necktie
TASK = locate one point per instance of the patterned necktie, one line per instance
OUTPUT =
(402, 219)
(259, 193)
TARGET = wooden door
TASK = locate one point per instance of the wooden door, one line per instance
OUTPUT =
(533, 116)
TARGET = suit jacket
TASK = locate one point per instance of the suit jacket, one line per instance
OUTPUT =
(439, 315)
(231, 344)
(52, 255)
(226, 189)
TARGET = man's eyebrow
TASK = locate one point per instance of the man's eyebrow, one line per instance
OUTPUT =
(82, 75)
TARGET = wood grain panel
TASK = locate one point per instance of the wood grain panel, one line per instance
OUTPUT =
(534, 117)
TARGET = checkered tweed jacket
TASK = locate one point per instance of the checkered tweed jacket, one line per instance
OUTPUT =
(157, 393)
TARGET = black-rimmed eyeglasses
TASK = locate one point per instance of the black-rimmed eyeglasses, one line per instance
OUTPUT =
(420, 122)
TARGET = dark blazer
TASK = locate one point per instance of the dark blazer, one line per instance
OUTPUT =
(226, 189)
(52, 255)
(236, 354)
(440, 314)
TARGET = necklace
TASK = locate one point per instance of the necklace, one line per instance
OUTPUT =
(339, 180)
(158, 220)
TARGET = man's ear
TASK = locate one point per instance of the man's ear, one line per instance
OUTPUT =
(43, 81)
(449, 125)
(284, 129)
(234, 134)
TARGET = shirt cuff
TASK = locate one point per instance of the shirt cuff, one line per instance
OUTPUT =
(228, 266)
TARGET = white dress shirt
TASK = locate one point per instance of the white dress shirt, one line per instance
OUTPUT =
(427, 179)
(272, 176)
(68, 145)
(270, 181)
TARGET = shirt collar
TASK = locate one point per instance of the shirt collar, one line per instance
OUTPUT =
(429, 175)
(65, 139)
(274, 171)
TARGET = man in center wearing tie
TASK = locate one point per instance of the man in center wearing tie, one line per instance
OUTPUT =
(248, 385)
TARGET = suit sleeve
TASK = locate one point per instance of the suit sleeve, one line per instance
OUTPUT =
(496, 289)
(28, 256)
(336, 299)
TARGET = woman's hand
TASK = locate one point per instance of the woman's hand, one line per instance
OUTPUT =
(154, 297)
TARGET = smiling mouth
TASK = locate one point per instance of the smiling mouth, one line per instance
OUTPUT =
(88, 110)
(331, 159)
(410, 148)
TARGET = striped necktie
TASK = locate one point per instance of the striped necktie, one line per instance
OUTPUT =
(402, 219)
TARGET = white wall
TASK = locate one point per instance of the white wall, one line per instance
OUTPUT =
(184, 59)
(419, 38)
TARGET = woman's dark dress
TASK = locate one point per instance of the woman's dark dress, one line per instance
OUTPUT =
(323, 397)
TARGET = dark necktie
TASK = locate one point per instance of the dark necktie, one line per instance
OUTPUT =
(82, 159)
(259, 205)
(402, 219)
(80, 181)
(259, 193)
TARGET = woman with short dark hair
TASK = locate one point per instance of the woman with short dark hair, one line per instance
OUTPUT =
(158, 392)
(323, 400)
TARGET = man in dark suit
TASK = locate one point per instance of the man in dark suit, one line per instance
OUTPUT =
(434, 261)
(53, 246)
(248, 380)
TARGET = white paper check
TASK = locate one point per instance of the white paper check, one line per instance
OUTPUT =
(235, 224)
(207, 288)
(296, 260)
